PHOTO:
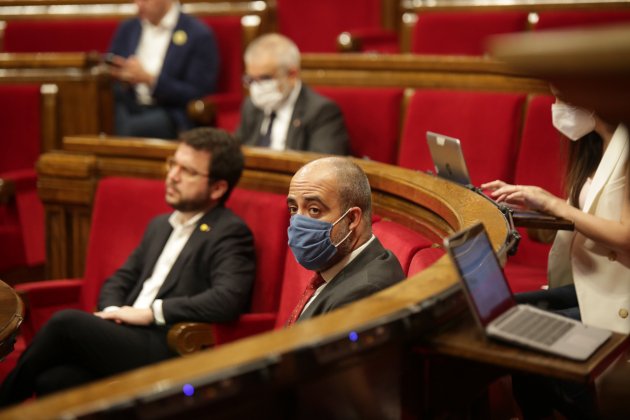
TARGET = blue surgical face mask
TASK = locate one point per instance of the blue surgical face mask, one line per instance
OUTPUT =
(310, 242)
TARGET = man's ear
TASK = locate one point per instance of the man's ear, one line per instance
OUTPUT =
(354, 216)
(218, 189)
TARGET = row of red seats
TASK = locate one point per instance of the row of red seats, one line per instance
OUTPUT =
(135, 201)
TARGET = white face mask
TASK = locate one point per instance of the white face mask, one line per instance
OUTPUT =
(266, 94)
(573, 122)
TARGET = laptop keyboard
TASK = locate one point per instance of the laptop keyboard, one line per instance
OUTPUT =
(535, 326)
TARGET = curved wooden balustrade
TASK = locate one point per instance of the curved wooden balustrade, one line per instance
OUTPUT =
(358, 350)
(420, 201)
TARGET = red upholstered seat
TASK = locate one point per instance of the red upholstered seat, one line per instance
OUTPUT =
(487, 123)
(59, 35)
(229, 35)
(22, 218)
(122, 209)
(401, 240)
(539, 163)
(424, 258)
(315, 25)
(462, 33)
(580, 18)
(372, 116)
(295, 280)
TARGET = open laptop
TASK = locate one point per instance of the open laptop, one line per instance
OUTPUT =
(498, 314)
(448, 158)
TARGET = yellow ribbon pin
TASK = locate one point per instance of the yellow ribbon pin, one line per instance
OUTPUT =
(204, 228)
(180, 37)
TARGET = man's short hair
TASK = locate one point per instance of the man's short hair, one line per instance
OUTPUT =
(278, 46)
(226, 157)
(354, 187)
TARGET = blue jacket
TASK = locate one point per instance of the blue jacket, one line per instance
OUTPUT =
(189, 71)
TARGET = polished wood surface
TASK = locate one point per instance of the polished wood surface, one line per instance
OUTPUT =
(314, 353)
(11, 315)
(464, 339)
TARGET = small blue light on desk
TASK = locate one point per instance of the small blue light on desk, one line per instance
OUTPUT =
(353, 336)
(189, 390)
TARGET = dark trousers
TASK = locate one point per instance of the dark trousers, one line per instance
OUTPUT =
(133, 120)
(538, 396)
(76, 347)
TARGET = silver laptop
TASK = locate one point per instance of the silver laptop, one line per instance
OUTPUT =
(498, 314)
(448, 158)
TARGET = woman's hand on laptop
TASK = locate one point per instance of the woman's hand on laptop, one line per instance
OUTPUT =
(534, 198)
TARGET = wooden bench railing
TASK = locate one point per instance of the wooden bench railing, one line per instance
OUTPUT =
(363, 347)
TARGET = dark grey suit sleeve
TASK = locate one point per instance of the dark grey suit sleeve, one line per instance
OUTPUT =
(327, 131)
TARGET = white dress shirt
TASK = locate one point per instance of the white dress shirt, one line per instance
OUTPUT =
(152, 48)
(173, 247)
(281, 124)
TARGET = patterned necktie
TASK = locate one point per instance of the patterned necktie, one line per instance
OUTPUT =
(313, 285)
(265, 139)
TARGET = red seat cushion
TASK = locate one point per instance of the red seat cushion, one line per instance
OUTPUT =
(487, 124)
(424, 258)
(462, 33)
(377, 140)
(59, 35)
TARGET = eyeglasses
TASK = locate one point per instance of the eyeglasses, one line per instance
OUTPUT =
(248, 80)
(186, 172)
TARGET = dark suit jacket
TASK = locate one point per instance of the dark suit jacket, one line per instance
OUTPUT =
(189, 71)
(372, 270)
(211, 280)
(316, 125)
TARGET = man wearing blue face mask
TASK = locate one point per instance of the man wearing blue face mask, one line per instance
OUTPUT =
(282, 112)
(331, 233)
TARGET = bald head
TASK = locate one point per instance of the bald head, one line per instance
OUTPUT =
(351, 184)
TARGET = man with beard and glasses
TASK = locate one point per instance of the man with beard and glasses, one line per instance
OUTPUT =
(281, 112)
(330, 232)
(195, 264)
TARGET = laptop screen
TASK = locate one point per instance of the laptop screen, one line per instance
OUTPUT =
(448, 158)
(481, 274)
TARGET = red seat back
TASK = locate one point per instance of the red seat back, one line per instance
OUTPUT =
(59, 35)
(21, 221)
(229, 36)
(315, 25)
(539, 163)
(372, 116)
(122, 209)
(295, 279)
(401, 240)
(580, 18)
(487, 124)
(267, 216)
(20, 142)
(462, 33)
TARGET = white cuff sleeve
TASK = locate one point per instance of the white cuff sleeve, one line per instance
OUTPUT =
(111, 308)
(158, 315)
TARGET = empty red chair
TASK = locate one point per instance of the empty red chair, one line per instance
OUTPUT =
(59, 35)
(22, 217)
(487, 124)
(539, 163)
(401, 240)
(580, 18)
(462, 33)
(424, 258)
(315, 25)
(372, 117)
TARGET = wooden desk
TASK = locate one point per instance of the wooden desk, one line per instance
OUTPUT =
(11, 315)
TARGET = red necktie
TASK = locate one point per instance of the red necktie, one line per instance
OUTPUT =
(313, 285)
